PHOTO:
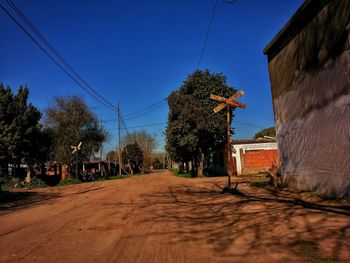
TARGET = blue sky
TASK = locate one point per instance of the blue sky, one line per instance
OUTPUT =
(137, 52)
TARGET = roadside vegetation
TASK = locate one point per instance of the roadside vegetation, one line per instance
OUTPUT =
(192, 128)
(179, 173)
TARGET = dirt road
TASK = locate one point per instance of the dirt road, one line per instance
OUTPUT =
(163, 218)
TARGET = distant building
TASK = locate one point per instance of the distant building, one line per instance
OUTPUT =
(248, 156)
(254, 156)
(309, 65)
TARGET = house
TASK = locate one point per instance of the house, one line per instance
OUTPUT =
(309, 65)
(254, 156)
(248, 156)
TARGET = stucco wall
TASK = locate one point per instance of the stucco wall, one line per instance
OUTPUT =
(310, 82)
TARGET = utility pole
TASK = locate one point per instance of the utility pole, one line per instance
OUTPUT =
(228, 103)
(119, 149)
(99, 164)
(229, 150)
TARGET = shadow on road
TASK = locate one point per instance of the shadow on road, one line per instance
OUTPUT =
(248, 224)
(12, 200)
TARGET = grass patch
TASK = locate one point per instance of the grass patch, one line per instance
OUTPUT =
(16, 183)
(177, 173)
(69, 181)
(323, 198)
(185, 175)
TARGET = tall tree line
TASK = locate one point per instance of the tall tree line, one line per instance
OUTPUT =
(26, 139)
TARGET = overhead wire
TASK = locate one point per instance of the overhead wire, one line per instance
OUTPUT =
(141, 114)
(141, 126)
(146, 108)
(70, 72)
(207, 33)
(211, 19)
(67, 68)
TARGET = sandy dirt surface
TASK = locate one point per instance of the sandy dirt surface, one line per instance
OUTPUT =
(163, 218)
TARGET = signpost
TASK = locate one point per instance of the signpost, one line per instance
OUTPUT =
(227, 103)
(76, 149)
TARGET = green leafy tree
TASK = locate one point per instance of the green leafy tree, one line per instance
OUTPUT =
(71, 121)
(133, 156)
(271, 132)
(22, 139)
(193, 128)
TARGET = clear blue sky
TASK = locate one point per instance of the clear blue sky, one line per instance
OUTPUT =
(137, 52)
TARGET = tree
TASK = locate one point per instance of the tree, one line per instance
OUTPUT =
(146, 141)
(271, 132)
(133, 156)
(22, 139)
(112, 156)
(71, 122)
(193, 128)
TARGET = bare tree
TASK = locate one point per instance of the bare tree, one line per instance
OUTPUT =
(147, 143)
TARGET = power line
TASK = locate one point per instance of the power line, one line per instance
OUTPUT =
(72, 74)
(142, 126)
(209, 28)
(146, 108)
(110, 120)
(247, 124)
(207, 34)
(147, 112)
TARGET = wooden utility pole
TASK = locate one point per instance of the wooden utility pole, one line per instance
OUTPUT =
(119, 149)
(99, 164)
(229, 150)
(228, 103)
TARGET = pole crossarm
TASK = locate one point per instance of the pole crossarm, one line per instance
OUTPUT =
(226, 102)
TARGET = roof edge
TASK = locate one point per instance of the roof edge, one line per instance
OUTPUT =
(303, 16)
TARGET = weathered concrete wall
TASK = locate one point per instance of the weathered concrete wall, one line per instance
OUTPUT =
(310, 82)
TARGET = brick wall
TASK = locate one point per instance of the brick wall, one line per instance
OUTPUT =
(255, 161)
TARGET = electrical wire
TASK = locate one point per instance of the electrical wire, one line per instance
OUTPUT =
(72, 74)
(247, 124)
(207, 34)
(142, 126)
(146, 108)
(147, 112)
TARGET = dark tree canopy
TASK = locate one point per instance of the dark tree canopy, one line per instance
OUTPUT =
(133, 155)
(193, 128)
(71, 121)
(266, 132)
(22, 139)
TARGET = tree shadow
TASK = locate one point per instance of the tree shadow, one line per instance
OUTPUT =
(244, 223)
(13, 200)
